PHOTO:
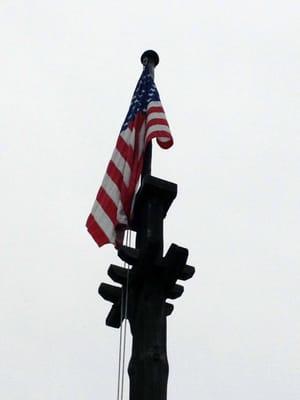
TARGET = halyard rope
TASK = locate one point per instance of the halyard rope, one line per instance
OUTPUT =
(123, 330)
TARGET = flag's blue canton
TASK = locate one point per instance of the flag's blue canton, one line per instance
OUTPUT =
(144, 93)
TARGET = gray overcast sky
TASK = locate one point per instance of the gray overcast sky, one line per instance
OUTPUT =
(229, 82)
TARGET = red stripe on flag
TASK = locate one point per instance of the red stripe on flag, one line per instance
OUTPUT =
(155, 109)
(157, 121)
(125, 150)
(96, 232)
(108, 205)
(161, 134)
(115, 174)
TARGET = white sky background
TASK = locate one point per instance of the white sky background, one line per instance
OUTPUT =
(229, 82)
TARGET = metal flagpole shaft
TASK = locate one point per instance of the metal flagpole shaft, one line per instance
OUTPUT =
(150, 59)
(150, 282)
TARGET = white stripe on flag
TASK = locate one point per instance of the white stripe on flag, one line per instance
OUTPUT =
(154, 115)
(154, 104)
(111, 189)
(163, 139)
(128, 137)
(122, 165)
(103, 221)
(157, 127)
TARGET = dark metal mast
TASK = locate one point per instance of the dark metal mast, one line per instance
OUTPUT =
(149, 59)
(152, 280)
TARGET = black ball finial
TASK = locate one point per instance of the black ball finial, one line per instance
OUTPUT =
(150, 57)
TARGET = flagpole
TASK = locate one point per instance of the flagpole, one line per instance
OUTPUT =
(149, 59)
(149, 283)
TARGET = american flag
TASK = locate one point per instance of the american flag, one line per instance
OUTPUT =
(145, 120)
